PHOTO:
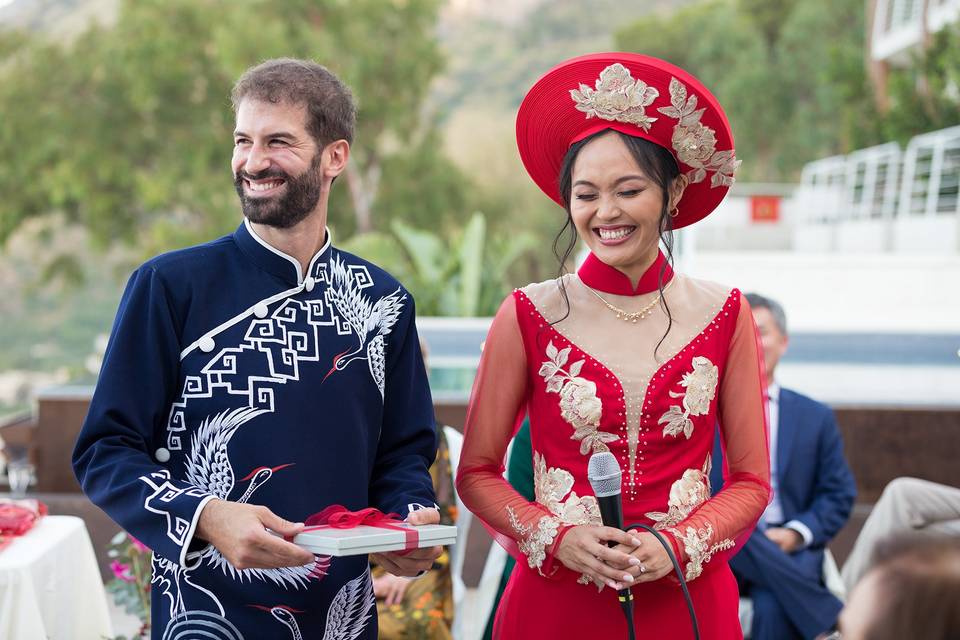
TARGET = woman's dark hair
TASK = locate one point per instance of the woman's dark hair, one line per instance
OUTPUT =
(660, 167)
(917, 589)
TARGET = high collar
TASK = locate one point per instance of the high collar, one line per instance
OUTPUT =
(271, 259)
(598, 275)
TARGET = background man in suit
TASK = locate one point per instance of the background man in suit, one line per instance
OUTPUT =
(813, 492)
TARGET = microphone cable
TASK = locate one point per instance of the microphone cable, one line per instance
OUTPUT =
(627, 604)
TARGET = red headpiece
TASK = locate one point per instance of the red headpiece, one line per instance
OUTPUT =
(637, 95)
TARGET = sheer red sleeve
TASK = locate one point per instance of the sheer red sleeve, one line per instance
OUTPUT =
(497, 407)
(726, 520)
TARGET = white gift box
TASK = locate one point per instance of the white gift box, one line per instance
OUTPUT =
(366, 539)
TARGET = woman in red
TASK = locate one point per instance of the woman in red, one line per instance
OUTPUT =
(624, 356)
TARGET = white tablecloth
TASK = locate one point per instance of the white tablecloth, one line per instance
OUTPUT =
(50, 586)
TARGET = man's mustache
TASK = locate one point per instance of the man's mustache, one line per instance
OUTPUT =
(263, 175)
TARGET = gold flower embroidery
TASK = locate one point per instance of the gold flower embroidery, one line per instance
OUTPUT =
(687, 493)
(579, 404)
(696, 143)
(618, 97)
(701, 386)
(697, 547)
(535, 542)
(551, 485)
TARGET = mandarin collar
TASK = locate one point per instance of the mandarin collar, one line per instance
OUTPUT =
(598, 275)
(271, 259)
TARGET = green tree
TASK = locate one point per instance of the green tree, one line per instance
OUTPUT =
(127, 128)
(789, 74)
(925, 96)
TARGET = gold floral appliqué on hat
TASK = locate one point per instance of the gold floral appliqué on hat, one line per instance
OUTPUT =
(695, 143)
(618, 97)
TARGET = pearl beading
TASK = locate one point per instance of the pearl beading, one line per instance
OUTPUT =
(634, 394)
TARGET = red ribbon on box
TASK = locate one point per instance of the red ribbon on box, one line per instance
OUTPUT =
(336, 516)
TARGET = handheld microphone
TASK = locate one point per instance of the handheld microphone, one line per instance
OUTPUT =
(603, 472)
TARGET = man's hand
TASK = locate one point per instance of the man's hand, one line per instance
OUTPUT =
(787, 539)
(239, 532)
(390, 589)
(412, 563)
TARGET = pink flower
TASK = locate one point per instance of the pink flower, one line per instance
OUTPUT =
(139, 546)
(121, 571)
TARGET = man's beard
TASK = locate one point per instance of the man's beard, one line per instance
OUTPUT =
(285, 210)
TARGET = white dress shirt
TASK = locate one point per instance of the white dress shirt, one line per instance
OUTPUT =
(773, 515)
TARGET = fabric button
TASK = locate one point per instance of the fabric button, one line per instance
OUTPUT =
(260, 310)
(207, 344)
(162, 455)
(308, 283)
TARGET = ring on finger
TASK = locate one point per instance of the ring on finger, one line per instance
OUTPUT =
(643, 569)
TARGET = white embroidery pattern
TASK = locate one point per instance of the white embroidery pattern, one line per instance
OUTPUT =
(579, 404)
(200, 624)
(209, 468)
(368, 321)
(164, 492)
(695, 143)
(618, 97)
(701, 387)
(696, 546)
(350, 610)
(687, 493)
(167, 576)
(279, 344)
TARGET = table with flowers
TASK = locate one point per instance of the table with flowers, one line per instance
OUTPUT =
(50, 586)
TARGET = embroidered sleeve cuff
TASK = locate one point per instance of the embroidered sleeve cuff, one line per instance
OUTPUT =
(697, 547)
(535, 538)
(188, 541)
(803, 530)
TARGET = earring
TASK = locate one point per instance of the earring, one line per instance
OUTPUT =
(675, 212)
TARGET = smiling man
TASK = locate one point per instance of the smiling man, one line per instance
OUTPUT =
(257, 379)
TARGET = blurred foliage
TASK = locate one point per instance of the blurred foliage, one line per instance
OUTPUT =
(926, 95)
(129, 588)
(127, 128)
(789, 74)
(465, 274)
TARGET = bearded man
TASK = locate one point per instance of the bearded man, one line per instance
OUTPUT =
(257, 379)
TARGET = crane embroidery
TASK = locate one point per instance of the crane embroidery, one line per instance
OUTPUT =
(368, 321)
(348, 614)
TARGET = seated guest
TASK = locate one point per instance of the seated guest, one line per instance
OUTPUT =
(422, 607)
(906, 505)
(912, 591)
(779, 567)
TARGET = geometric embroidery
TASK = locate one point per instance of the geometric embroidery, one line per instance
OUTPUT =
(270, 353)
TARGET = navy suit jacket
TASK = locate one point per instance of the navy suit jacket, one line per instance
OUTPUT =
(814, 482)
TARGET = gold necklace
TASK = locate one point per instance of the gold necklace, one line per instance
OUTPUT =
(634, 316)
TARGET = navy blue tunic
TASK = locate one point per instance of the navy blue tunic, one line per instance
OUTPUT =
(230, 374)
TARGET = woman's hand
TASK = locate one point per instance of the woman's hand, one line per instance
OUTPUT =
(584, 550)
(652, 560)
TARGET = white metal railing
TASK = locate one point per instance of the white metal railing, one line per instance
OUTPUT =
(885, 183)
(931, 174)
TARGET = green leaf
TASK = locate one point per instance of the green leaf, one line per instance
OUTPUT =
(424, 249)
(471, 264)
